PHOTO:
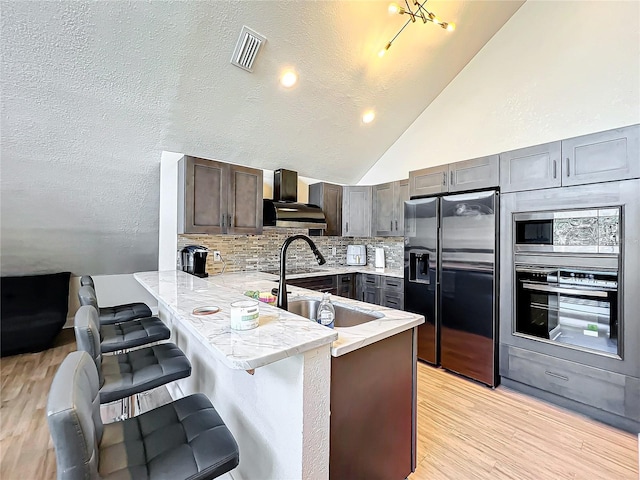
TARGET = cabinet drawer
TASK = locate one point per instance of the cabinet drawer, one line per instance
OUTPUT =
(369, 280)
(319, 284)
(598, 388)
(393, 284)
(393, 300)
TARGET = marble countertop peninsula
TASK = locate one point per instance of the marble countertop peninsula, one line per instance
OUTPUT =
(280, 333)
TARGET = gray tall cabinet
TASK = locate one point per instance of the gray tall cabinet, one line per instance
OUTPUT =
(598, 170)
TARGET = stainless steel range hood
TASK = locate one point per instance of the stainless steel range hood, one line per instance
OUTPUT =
(284, 210)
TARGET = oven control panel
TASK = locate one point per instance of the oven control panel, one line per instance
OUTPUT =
(564, 276)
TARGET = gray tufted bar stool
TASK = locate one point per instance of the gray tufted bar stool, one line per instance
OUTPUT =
(117, 313)
(126, 335)
(126, 374)
(185, 439)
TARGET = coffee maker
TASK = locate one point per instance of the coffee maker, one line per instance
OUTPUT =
(193, 260)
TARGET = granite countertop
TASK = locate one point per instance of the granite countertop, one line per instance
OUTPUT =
(280, 334)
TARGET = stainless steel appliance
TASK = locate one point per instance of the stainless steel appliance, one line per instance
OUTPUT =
(284, 210)
(565, 280)
(194, 260)
(356, 255)
(450, 278)
(574, 307)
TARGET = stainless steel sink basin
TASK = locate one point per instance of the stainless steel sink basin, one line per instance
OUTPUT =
(345, 317)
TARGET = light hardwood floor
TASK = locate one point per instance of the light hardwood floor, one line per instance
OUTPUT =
(465, 430)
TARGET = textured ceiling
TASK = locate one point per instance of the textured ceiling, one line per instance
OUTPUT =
(92, 92)
(226, 113)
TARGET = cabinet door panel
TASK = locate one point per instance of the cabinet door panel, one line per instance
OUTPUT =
(401, 196)
(531, 168)
(602, 157)
(329, 198)
(333, 205)
(474, 174)
(356, 211)
(383, 210)
(202, 196)
(429, 181)
(245, 197)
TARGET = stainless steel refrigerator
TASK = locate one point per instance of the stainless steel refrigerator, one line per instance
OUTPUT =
(450, 277)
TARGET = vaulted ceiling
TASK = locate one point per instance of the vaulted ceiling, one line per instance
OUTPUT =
(92, 92)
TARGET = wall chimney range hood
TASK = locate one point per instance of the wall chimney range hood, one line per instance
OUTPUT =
(284, 210)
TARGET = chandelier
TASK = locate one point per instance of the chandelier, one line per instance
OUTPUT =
(418, 11)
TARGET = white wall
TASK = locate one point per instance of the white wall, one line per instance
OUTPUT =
(555, 70)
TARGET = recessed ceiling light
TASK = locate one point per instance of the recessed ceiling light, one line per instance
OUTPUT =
(288, 79)
(368, 116)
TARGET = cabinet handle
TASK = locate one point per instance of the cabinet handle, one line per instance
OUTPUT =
(444, 179)
(556, 375)
(224, 220)
(229, 220)
(451, 184)
(391, 226)
(568, 173)
(347, 226)
(396, 224)
(554, 169)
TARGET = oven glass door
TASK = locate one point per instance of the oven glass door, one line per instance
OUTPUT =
(582, 316)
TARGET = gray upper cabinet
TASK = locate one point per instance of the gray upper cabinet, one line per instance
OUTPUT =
(602, 156)
(388, 208)
(531, 168)
(455, 177)
(329, 198)
(216, 197)
(474, 174)
(356, 211)
(598, 157)
(429, 181)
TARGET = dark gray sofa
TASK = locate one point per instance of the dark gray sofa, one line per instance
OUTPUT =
(33, 310)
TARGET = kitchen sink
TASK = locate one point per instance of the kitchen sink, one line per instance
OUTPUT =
(345, 317)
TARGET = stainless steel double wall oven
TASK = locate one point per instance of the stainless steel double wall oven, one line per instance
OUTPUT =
(560, 298)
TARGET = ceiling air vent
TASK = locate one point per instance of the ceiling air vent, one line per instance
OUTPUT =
(247, 48)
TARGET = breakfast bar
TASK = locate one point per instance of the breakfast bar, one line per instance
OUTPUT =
(272, 383)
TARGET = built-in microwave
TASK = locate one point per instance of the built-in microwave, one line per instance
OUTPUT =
(568, 231)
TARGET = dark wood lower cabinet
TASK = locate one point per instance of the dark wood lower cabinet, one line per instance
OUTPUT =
(373, 411)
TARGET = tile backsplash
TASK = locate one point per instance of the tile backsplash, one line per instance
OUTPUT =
(262, 252)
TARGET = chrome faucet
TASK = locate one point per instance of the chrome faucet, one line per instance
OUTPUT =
(282, 286)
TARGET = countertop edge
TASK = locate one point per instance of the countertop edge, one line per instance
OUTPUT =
(235, 363)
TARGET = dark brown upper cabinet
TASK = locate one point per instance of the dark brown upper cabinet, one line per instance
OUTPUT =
(328, 197)
(216, 197)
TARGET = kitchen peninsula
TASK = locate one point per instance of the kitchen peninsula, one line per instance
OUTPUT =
(272, 384)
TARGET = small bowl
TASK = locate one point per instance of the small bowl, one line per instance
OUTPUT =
(200, 311)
